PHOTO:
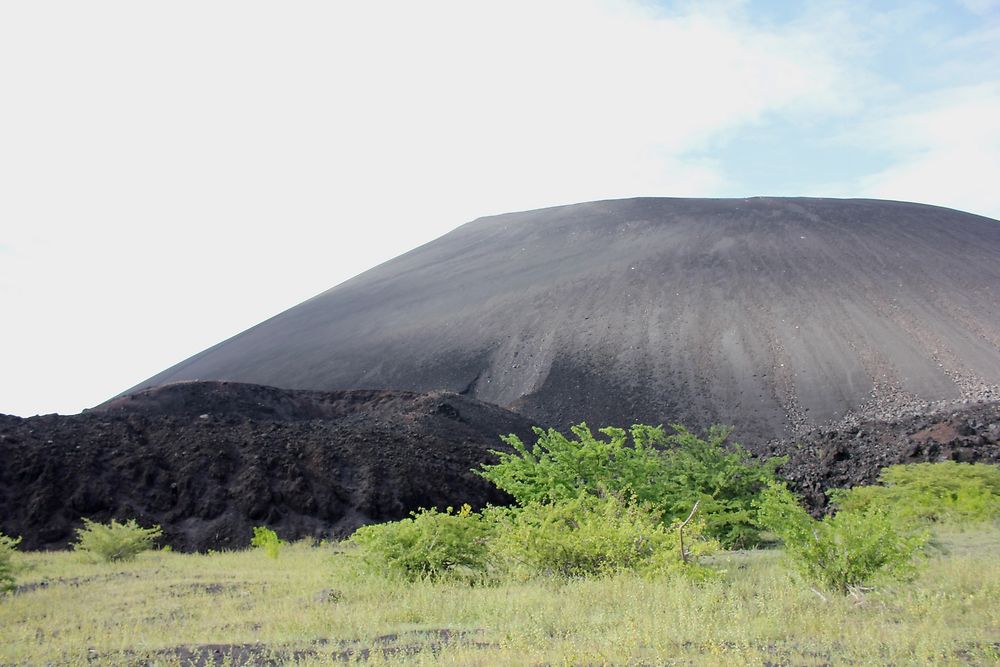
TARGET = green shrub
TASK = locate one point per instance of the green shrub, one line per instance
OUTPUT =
(726, 481)
(947, 492)
(266, 539)
(430, 544)
(7, 569)
(557, 468)
(849, 550)
(593, 536)
(114, 541)
(671, 472)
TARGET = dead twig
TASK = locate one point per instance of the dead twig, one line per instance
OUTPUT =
(680, 530)
(821, 596)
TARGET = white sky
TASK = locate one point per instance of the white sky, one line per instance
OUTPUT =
(173, 173)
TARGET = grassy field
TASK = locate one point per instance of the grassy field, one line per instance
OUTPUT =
(308, 607)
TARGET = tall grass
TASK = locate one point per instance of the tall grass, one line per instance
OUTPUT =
(311, 601)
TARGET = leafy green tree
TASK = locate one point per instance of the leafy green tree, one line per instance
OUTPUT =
(557, 468)
(670, 472)
(726, 480)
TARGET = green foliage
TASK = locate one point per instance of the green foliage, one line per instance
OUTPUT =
(947, 492)
(266, 539)
(429, 545)
(7, 568)
(671, 472)
(753, 615)
(114, 541)
(580, 537)
(557, 468)
(594, 536)
(843, 552)
(727, 481)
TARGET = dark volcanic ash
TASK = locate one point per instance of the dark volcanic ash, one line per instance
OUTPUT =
(773, 315)
(846, 334)
(209, 461)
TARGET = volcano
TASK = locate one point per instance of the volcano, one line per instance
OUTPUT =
(774, 315)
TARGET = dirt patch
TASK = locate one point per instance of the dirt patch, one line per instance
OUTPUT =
(943, 432)
(73, 582)
(206, 588)
(386, 646)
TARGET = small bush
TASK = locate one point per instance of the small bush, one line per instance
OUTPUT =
(947, 492)
(7, 569)
(114, 541)
(266, 539)
(847, 551)
(671, 472)
(594, 536)
(430, 544)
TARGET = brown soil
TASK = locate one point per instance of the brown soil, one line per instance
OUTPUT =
(208, 461)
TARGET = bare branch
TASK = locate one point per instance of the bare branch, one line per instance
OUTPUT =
(680, 530)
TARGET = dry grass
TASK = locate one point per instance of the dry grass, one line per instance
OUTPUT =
(309, 607)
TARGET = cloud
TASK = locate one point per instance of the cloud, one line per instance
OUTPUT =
(982, 7)
(244, 110)
(947, 150)
(174, 173)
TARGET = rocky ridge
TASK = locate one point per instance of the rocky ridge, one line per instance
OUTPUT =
(210, 460)
(856, 450)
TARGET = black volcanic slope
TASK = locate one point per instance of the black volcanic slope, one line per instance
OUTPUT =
(209, 460)
(774, 315)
